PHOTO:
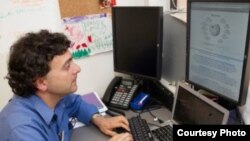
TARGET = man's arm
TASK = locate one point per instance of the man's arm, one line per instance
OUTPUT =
(79, 108)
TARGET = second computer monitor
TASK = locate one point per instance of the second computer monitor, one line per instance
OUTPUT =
(137, 41)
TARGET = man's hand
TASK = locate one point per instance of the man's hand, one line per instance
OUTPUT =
(108, 124)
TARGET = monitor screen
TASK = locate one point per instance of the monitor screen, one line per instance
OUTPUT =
(189, 104)
(137, 41)
(218, 46)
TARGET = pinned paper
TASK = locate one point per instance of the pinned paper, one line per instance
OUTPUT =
(89, 34)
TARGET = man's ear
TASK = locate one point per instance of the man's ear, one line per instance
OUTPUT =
(41, 84)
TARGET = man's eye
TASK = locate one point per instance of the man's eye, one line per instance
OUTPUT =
(67, 66)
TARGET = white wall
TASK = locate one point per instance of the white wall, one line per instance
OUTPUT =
(245, 109)
(131, 2)
(96, 73)
(164, 3)
(6, 93)
(181, 4)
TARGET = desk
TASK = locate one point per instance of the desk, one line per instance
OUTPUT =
(91, 133)
(88, 133)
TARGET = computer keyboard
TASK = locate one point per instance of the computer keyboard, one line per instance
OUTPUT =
(164, 133)
(140, 129)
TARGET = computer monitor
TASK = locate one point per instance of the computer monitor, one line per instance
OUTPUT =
(190, 107)
(137, 41)
(218, 47)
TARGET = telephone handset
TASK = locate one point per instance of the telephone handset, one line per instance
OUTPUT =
(111, 89)
(120, 93)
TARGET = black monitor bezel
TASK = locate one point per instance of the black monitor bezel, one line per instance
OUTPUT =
(246, 67)
(159, 48)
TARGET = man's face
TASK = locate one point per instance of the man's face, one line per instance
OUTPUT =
(61, 79)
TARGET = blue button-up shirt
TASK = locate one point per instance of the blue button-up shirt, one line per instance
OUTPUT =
(30, 119)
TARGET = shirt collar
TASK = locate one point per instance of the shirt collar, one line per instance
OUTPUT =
(45, 112)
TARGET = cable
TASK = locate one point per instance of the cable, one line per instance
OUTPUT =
(154, 124)
(173, 2)
(155, 117)
(148, 108)
(239, 116)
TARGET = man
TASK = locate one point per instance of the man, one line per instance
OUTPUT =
(43, 77)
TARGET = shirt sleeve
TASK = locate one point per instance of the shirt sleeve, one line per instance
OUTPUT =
(79, 108)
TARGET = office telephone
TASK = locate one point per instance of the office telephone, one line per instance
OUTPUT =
(119, 93)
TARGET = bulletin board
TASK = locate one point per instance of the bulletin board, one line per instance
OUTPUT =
(71, 8)
(88, 27)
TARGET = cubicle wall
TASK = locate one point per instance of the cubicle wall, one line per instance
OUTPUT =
(174, 49)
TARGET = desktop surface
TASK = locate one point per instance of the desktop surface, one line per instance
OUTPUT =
(92, 133)
(88, 133)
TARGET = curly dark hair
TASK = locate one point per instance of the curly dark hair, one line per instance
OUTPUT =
(30, 57)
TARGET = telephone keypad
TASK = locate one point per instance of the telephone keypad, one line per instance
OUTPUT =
(123, 96)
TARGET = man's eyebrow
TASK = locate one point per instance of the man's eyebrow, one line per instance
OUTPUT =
(67, 61)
